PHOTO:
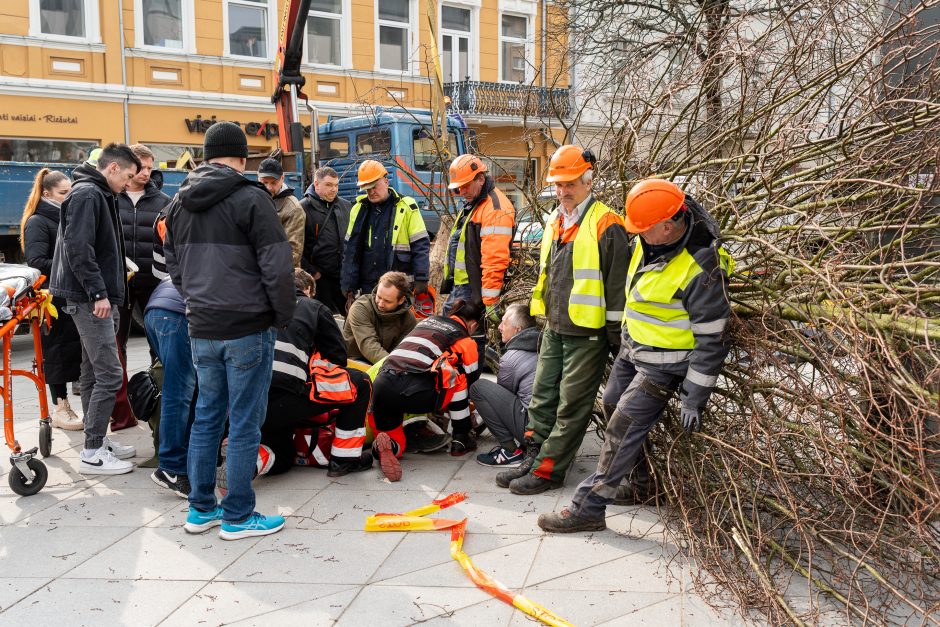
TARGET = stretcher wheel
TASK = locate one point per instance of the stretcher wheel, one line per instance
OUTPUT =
(21, 486)
(45, 438)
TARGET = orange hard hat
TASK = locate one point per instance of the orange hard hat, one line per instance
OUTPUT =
(464, 169)
(651, 202)
(370, 171)
(568, 163)
(425, 304)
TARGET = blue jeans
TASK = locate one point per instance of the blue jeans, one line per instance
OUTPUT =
(168, 333)
(234, 376)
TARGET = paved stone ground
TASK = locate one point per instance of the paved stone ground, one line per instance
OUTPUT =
(110, 551)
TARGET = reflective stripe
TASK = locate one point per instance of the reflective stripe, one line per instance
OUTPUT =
(418, 235)
(586, 299)
(659, 357)
(459, 395)
(635, 295)
(710, 328)
(468, 368)
(434, 348)
(358, 433)
(402, 247)
(696, 377)
(287, 347)
(590, 274)
(319, 456)
(160, 274)
(326, 386)
(347, 451)
(614, 316)
(293, 371)
(407, 354)
(158, 257)
(496, 230)
(460, 265)
(460, 414)
(683, 323)
(489, 293)
(410, 420)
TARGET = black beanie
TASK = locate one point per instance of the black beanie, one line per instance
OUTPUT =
(225, 139)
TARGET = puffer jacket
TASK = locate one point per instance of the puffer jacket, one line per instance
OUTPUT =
(39, 237)
(324, 234)
(137, 222)
(292, 218)
(517, 365)
(227, 254)
(88, 264)
(371, 334)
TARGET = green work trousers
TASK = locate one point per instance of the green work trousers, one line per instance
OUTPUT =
(567, 379)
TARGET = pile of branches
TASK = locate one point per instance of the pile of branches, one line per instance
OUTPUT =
(811, 130)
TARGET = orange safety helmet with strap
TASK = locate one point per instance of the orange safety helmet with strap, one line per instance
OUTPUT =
(370, 171)
(650, 202)
(464, 169)
(329, 383)
(568, 163)
(425, 304)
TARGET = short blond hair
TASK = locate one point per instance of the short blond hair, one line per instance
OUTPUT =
(141, 151)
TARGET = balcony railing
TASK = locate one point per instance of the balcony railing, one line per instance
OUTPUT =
(508, 100)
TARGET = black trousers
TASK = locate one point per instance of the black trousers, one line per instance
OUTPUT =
(136, 295)
(329, 293)
(287, 411)
(400, 393)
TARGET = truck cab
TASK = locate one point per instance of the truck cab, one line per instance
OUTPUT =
(401, 140)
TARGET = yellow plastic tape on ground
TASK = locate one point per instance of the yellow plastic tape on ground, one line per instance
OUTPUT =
(412, 521)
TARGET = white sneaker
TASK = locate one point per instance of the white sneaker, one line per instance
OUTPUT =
(64, 418)
(119, 450)
(103, 462)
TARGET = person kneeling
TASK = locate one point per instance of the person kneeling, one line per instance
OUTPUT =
(310, 379)
(431, 370)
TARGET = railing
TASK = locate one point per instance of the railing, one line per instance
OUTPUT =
(506, 99)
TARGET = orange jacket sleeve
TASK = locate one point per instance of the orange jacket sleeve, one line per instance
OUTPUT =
(496, 227)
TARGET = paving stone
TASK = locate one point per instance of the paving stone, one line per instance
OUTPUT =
(51, 552)
(392, 606)
(101, 506)
(101, 602)
(338, 507)
(504, 512)
(561, 555)
(645, 571)
(419, 472)
(493, 613)
(15, 508)
(591, 607)
(12, 590)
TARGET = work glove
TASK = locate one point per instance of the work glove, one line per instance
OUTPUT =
(350, 297)
(421, 287)
(492, 314)
(691, 418)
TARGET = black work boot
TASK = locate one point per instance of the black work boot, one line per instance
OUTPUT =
(340, 466)
(506, 477)
(533, 484)
(566, 521)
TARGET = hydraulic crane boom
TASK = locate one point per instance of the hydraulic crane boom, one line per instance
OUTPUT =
(290, 81)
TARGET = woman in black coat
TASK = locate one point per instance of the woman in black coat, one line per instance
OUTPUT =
(61, 345)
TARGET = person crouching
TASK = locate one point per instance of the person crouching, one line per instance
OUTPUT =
(430, 371)
(310, 379)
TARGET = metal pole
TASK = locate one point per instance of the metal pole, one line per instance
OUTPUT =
(127, 128)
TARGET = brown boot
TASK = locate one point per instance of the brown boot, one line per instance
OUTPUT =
(64, 418)
(566, 521)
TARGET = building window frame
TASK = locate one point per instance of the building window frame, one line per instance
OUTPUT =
(271, 33)
(92, 34)
(528, 41)
(474, 35)
(188, 29)
(412, 67)
(345, 33)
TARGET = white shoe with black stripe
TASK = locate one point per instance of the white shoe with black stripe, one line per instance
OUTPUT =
(103, 462)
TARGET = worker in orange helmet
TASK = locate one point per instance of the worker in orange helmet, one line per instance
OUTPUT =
(674, 340)
(477, 252)
(386, 233)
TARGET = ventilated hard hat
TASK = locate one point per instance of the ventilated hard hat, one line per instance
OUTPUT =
(370, 171)
(464, 169)
(568, 163)
(650, 202)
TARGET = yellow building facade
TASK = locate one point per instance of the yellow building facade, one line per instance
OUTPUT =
(79, 73)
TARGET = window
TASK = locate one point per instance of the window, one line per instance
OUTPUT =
(374, 143)
(248, 28)
(324, 32)
(512, 176)
(172, 152)
(514, 49)
(455, 44)
(334, 148)
(72, 151)
(73, 19)
(164, 24)
(394, 26)
(425, 150)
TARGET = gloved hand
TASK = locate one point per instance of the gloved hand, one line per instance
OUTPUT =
(492, 314)
(691, 418)
(421, 287)
(350, 297)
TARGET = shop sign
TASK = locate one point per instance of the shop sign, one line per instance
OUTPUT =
(36, 117)
(265, 129)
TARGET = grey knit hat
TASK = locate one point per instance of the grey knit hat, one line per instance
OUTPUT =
(225, 139)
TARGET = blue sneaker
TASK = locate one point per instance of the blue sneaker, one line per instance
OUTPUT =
(201, 522)
(256, 525)
(501, 458)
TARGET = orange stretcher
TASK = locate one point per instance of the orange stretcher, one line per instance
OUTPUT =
(21, 299)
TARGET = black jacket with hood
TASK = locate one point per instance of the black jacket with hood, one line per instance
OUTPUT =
(138, 227)
(312, 328)
(324, 234)
(227, 254)
(88, 264)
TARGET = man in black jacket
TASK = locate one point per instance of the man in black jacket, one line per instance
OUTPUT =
(88, 271)
(140, 204)
(325, 237)
(228, 255)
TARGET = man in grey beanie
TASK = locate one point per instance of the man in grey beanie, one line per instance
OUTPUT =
(227, 254)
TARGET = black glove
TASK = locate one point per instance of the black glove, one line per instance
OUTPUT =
(691, 418)
(421, 287)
